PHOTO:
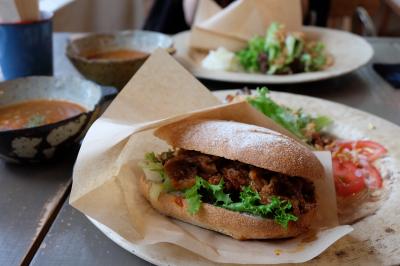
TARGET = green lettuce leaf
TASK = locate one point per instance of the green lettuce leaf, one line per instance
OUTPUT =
(322, 122)
(249, 202)
(281, 52)
(152, 163)
(295, 121)
(249, 57)
(294, 47)
(193, 196)
(315, 58)
(279, 114)
(272, 44)
(277, 209)
(216, 192)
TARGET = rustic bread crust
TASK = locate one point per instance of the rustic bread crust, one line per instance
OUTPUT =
(237, 225)
(249, 144)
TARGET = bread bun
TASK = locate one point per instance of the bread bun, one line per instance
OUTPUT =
(249, 144)
(237, 225)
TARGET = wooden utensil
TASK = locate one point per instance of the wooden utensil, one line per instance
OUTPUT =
(28, 9)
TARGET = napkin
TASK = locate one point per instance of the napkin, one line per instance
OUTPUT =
(8, 11)
(53, 5)
(234, 25)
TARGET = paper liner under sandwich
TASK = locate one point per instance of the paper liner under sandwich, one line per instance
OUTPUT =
(106, 172)
(234, 25)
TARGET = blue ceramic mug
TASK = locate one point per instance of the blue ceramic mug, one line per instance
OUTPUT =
(26, 48)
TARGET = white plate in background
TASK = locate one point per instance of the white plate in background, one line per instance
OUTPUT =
(349, 52)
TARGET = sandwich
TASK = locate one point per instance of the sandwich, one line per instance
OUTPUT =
(241, 180)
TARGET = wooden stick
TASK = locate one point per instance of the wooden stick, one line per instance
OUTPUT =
(28, 9)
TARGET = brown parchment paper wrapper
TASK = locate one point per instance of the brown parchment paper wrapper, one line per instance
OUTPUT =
(106, 172)
(234, 25)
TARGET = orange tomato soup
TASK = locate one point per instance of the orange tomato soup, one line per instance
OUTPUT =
(118, 54)
(36, 113)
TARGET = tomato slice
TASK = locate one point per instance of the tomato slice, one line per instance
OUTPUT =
(370, 149)
(353, 167)
(372, 177)
(348, 179)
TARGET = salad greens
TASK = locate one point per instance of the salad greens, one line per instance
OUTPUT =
(249, 57)
(216, 192)
(281, 52)
(314, 59)
(249, 202)
(154, 164)
(300, 124)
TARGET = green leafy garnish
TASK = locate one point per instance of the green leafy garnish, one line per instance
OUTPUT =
(280, 52)
(272, 43)
(152, 163)
(294, 48)
(296, 122)
(279, 210)
(314, 59)
(249, 202)
(216, 192)
(321, 122)
(249, 57)
(35, 121)
(193, 196)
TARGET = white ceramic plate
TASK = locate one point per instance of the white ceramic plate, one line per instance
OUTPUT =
(349, 51)
(371, 242)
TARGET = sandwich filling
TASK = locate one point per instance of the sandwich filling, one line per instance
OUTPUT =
(232, 185)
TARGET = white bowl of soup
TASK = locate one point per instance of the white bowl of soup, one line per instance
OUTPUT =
(42, 117)
(112, 59)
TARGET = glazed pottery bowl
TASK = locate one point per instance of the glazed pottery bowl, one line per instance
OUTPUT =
(114, 72)
(42, 143)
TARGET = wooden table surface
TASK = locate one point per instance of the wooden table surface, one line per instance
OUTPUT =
(38, 226)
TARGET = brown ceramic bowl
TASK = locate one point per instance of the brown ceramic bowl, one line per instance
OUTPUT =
(114, 72)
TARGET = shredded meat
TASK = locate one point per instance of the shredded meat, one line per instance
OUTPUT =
(181, 172)
(321, 140)
(235, 175)
(183, 166)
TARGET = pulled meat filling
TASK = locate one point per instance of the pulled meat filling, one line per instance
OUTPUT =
(182, 167)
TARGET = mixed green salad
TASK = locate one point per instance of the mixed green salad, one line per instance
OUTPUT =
(282, 52)
(278, 52)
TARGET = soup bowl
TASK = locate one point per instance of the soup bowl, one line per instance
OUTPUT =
(49, 141)
(110, 71)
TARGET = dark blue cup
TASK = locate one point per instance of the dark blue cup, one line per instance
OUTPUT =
(26, 48)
